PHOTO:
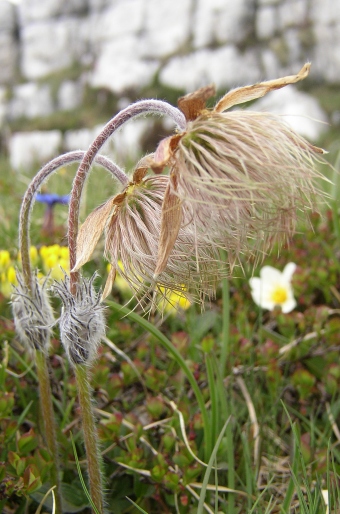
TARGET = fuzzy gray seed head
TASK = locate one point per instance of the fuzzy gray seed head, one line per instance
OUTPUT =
(82, 322)
(33, 314)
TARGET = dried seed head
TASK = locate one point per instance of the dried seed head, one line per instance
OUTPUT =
(243, 175)
(133, 236)
(33, 314)
(82, 321)
(136, 234)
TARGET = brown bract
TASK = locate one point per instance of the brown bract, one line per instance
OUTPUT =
(241, 175)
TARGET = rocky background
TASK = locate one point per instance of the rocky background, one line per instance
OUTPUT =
(66, 66)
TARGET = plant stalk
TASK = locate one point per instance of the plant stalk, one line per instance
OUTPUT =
(90, 437)
(136, 109)
(49, 424)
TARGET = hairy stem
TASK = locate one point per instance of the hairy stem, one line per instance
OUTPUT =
(29, 197)
(136, 109)
(90, 437)
(49, 423)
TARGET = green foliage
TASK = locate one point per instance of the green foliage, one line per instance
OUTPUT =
(162, 400)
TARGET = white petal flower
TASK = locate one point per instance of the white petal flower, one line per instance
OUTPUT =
(274, 288)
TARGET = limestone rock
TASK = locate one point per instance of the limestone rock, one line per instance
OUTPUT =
(36, 10)
(8, 57)
(266, 21)
(293, 13)
(7, 16)
(166, 28)
(119, 19)
(70, 95)
(30, 100)
(118, 71)
(3, 105)
(50, 46)
(28, 149)
(221, 21)
(226, 67)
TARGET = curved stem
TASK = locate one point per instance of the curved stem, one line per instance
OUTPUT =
(136, 109)
(49, 423)
(90, 437)
(28, 200)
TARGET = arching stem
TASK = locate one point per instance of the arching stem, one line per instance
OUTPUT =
(136, 109)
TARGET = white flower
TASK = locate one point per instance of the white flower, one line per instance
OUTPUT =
(274, 288)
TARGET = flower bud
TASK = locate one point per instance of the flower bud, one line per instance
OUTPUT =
(33, 314)
(82, 322)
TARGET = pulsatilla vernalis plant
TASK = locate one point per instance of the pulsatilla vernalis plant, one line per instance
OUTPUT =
(235, 184)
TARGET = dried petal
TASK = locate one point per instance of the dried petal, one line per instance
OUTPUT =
(164, 152)
(109, 283)
(193, 104)
(90, 232)
(170, 224)
(248, 93)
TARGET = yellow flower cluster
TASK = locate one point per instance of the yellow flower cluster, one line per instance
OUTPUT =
(55, 259)
(7, 273)
(50, 259)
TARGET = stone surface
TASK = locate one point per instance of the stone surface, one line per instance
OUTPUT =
(30, 100)
(166, 29)
(37, 10)
(221, 21)
(325, 12)
(299, 110)
(8, 57)
(293, 13)
(117, 20)
(70, 95)
(7, 16)
(119, 71)
(226, 67)
(3, 105)
(266, 22)
(27, 149)
(50, 46)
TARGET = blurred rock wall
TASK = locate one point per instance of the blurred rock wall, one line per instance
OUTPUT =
(124, 45)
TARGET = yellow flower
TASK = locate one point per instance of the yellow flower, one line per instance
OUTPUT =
(11, 275)
(34, 255)
(5, 259)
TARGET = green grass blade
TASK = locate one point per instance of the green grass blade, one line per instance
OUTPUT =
(137, 506)
(82, 481)
(200, 507)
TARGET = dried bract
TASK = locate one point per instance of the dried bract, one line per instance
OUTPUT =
(33, 314)
(82, 321)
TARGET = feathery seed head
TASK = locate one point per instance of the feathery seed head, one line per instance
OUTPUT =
(33, 314)
(82, 321)
(243, 176)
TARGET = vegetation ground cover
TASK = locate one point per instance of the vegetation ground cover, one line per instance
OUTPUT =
(265, 385)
